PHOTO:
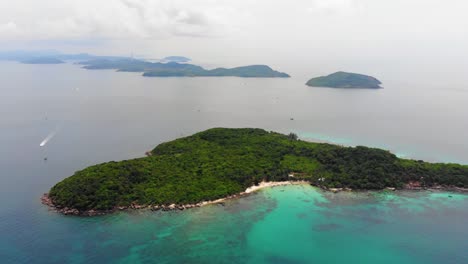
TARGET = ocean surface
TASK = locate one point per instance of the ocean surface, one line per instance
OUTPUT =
(86, 117)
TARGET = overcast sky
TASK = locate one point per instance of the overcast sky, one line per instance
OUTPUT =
(379, 36)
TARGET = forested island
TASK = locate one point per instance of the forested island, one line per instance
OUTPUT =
(158, 69)
(345, 80)
(222, 162)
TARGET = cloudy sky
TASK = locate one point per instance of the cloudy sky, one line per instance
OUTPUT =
(300, 35)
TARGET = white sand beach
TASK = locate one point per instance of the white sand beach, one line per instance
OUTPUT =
(264, 184)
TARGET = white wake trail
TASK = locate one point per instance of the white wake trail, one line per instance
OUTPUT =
(49, 137)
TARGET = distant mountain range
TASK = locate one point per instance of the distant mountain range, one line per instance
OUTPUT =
(172, 66)
(44, 55)
(43, 60)
(174, 69)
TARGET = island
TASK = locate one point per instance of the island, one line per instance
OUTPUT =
(43, 60)
(171, 66)
(179, 59)
(175, 69)
(34, 56)
(224, 162)
(345, 80)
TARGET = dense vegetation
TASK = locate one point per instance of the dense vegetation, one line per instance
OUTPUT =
(345, 80)
(219, 162)
(157, 69)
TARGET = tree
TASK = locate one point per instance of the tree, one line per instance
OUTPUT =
(292, 136)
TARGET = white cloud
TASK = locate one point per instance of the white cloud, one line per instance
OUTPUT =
(117, 19)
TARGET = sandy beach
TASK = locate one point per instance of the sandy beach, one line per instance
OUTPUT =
(255, 188)
(264, 184)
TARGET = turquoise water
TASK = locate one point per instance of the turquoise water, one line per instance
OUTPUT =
(290, 224)
(308, 226)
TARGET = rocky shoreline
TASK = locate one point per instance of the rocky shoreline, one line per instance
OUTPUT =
(46, 200)
(437, 188)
